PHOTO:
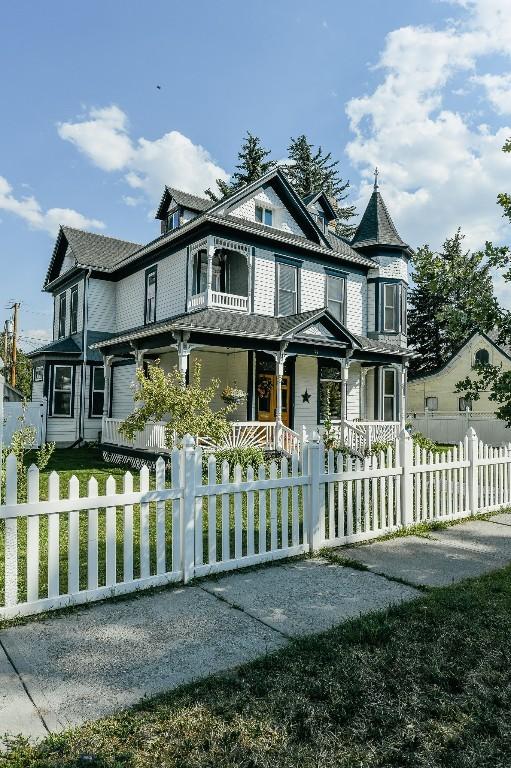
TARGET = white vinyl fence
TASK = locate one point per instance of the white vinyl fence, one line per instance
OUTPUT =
(196, 518)
(449, 427)
(25, 414)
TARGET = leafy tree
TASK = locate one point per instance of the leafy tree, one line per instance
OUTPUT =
(451, 298)
(23, 370)
(251, 166)
(311, 171)
(492, 378)
(187, 409)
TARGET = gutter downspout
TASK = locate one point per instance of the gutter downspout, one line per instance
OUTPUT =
(84, 363)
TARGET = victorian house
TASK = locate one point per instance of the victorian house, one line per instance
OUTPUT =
(261, 290)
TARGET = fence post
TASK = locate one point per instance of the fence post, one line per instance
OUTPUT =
(406, 460)
(187, 482)
(314, 458)
(473, 473)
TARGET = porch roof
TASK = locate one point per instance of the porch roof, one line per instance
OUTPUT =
(317, 327)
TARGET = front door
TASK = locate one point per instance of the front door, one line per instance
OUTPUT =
(266, 397)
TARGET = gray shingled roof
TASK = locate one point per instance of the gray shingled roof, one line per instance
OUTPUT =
(376, 227)
(72, 346)
(245, 325)
(98, 251)
(187, 200)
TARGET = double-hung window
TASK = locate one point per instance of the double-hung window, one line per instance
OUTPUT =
(150, 296)
(389, 394)
(404, 298)
(335, 296)
(62, 390)
(264, 215)
(62, 315)
(173, 219)
(97, 395)
(74, 310)
(287, 289)
(390, 307)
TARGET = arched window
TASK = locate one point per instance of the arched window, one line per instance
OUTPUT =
(482, 356)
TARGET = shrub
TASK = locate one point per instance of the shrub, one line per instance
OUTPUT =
(250, 456)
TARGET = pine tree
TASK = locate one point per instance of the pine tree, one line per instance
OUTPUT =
(452, 297)
(311, 171)
(251, 166)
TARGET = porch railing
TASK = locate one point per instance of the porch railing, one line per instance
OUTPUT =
(219, 299)
(359, 436)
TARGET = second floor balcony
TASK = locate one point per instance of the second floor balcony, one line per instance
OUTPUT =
(219, 275)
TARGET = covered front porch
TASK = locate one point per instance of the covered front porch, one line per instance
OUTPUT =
(315, 372)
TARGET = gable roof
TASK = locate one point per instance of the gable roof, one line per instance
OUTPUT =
(187, 200)
(491, 337)
(376, 227)
(326, 203)
(88, 249)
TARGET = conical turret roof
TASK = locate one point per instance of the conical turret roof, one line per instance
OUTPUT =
(376, 227)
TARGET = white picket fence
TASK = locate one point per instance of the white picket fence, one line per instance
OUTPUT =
(449, 427)
(186, 522)
(25, 414)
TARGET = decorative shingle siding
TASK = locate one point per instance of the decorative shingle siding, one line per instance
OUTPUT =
(102, 306)
(390, 266)
(282, 218)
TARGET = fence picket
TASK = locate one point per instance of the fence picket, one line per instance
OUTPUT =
(349, 499)
(33, 536)
(273, 509)
(160, 518)
(11, 533)
(145, 562)
(250, 514)
(73, 547)
(331, 496)
(212, 511)
(261, 474)
(390, 492)
(127, 535)
(111, 536)
(175, 474)
(295, 512)
(238, 520)
(53, 538)
(340, 497)
(92, 537)
(225, 514)
(199, 540)
(284, 506)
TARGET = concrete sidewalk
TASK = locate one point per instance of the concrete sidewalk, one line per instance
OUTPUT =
(64, 670)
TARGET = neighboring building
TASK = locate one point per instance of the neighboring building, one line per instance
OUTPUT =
(256, 286)
(436, 391)
(12, 395)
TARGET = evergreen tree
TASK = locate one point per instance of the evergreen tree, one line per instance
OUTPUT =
(452, 297)
(251, 166)
(311, 171)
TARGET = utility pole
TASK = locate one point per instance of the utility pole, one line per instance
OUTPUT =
(15, 308)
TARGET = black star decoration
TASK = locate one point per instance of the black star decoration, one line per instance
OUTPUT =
(306, 397)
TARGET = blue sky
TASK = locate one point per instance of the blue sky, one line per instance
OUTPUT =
(421, 88)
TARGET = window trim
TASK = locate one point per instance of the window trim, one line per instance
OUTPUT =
(69, 415)
(297, 267)
(337, 276)
(264, 208)
(73, 319)
(38, 377)
(467, 402)
(426, 400)
(486, 351)
(150, 271)
(171, 214)
(384, 396)
(92, 391)
(395, 308)
(62, 315)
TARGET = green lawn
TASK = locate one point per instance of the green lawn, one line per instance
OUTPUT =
(424, 685)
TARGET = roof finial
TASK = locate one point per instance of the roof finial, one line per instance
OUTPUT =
(376, 174)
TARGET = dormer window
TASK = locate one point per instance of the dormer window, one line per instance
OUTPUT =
(173, 219)
(322, 221)
(264, 215)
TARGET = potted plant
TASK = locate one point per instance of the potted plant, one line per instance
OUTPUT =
(233, 396)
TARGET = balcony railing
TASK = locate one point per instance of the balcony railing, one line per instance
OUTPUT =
(229, 301)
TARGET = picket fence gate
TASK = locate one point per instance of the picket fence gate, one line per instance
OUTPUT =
(203, 520)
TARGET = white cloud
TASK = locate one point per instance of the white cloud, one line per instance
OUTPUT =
(103, 136)
(30, 210)
(440, 168)
(34, 338)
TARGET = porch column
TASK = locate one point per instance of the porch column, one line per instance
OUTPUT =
(402, 396)
(345, 366)
(107, 365)
(280, 359)
(363, 392)
(211, 253)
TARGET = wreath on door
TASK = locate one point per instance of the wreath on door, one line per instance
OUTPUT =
(264, 387)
